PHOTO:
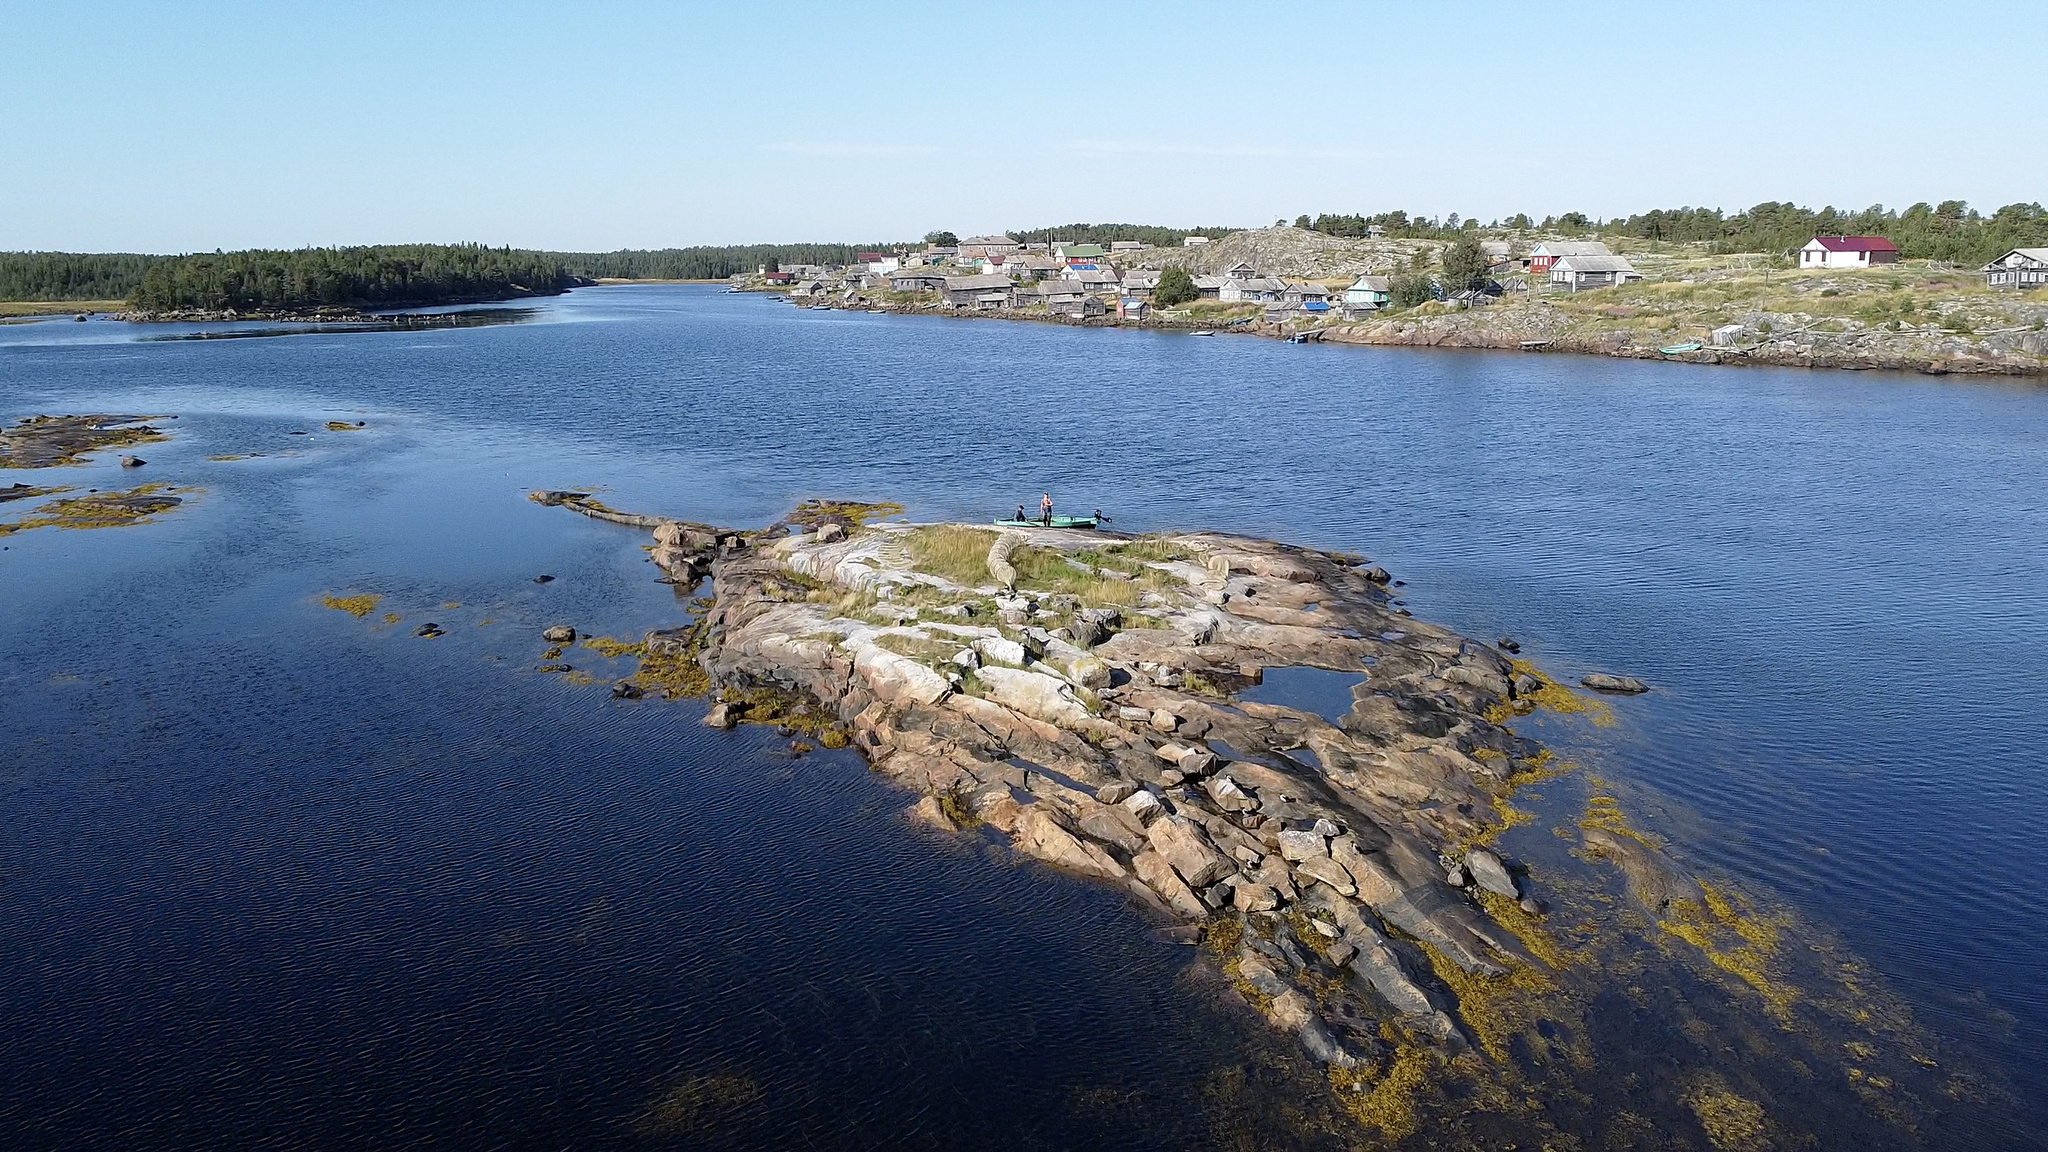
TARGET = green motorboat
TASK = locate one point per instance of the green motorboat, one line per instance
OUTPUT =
(1057, 522)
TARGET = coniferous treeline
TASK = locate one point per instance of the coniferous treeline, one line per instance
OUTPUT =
(71, 275)
(373, 276)
(708, 262)
(1950, 231)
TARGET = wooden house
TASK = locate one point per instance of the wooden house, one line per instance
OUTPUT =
(1242, 270)
(917, 280)
(1542, 256)
(1140, 283)
(1579, 273)
(981, 293)
(2021, 268)
(1847, 252)
(1368, 294)
(1131, 308)
(992, 245)
(1209, 287)
(1256, 290)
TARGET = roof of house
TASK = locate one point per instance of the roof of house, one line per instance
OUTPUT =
(1853, 243)
(1373, 283)
(1126, 245)
(976, 283)
(2039, 255)
(1570, 248)
(869, 257)
(1247, 265)
(1139, 277)
(1209, 281)
(1593, 263)
(1308, 288)
(1073, 250)
(917, 274)
(1262, 283)
(1089, 274)
(985, 241)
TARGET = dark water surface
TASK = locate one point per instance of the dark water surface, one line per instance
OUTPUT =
(271, 875)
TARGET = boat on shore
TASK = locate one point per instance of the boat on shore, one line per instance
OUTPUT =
(1202, 332)
(1083, 522)
(1676, 349)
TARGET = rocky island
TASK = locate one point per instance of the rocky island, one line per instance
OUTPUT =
(1077, 693)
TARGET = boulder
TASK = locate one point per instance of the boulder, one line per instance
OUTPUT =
(1491, 875)
(1163, 720)
(898, 679)
(559, 634)
(1116, 792)
(1325, 828)
(1000, 650)
(1114, 826)
(1144, 805)
(1173, 753)
(1292, 1011)
(1036, 695)
(132, 461)
(1185, 847)
(1329, 872)
(1602, 682)
(1299, 846)
(929, 811)
(1227, 795)
(1130, 715)
(1039, 834)
(1272, 872)
(1254, 898)
(721, 715)
(1158, 875)
(831, 533)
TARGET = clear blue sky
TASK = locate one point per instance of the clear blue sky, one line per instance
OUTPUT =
(178, 127)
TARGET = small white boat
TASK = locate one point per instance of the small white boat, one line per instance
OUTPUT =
(1203, 332)
(878, 311)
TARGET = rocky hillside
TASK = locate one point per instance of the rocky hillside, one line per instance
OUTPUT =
(1294, 252)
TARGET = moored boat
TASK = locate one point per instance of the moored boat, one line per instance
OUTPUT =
(1087, 522)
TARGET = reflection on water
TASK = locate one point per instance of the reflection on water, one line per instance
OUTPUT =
(279, 875)
(394, 322)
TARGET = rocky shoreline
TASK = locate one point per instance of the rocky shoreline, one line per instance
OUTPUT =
(1516, 328)
(1078, 694)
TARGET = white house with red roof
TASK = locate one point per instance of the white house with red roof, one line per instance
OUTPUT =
(1847, 252)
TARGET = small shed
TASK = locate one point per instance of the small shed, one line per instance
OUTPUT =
(1131, 308)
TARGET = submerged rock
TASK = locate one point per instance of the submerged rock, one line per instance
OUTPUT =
(1602, 682)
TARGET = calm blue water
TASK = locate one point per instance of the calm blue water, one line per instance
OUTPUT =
(280, 876)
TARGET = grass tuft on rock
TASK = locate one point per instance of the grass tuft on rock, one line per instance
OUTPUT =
(952, 552)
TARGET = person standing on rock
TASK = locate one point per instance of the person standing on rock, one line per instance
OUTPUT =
(1045, 509)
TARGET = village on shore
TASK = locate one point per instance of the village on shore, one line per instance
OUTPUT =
(1844, 302)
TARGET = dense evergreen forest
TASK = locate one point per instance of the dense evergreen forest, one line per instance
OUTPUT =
(71, 276)
(373, 276)
(706, 263)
